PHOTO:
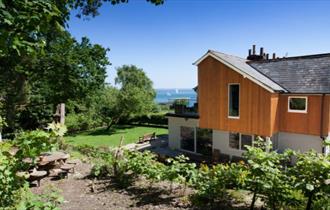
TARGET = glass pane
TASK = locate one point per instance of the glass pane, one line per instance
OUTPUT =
(298, 104)
(234, 140)
(204, 141)
(245, 140)
(187, 139)
(234, 100)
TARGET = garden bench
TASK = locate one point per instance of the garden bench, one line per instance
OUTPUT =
(147, 137)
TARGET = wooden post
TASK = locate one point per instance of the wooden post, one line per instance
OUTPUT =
(268, 144)
(62, 113)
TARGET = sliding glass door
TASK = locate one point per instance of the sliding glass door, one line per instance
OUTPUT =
(196, 140)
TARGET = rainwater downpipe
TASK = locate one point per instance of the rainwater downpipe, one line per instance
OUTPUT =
(321, 124)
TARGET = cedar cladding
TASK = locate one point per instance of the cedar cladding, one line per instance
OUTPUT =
(261, 112)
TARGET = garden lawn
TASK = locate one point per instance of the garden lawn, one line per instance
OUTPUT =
(103, 137)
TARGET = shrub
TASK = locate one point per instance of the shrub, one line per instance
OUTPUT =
(29, 201)
(151, 119)
(82, 121)
(9, 182)
(311, 175)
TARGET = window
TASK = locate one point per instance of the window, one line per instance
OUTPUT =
(239, 141)
(246, 140)
(204, 141)
(297, 104)
(234, 140)
(233, 98)
(188, 138)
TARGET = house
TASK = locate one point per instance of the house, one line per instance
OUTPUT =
(284, 100)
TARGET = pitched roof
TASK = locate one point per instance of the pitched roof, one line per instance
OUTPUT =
(303, 74)
(240, 65)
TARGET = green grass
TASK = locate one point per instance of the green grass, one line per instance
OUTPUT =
(103, 137)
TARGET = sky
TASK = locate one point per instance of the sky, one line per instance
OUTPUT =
(165, 40)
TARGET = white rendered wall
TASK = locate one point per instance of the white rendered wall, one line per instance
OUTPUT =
(299, 142)
(221, 142)
(174, 129)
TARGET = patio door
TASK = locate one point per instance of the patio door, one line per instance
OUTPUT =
(204, 141)
(196, 140)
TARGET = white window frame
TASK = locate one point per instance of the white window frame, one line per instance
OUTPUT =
(298, 111)
(240, 141)
(239, 100)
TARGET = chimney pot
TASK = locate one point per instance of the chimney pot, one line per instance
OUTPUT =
(261, 51)
(254, 49)
(249, 52)
(274, 56)
(267, 56)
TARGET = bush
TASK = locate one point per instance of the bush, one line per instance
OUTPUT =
(29, 201)
(9, 182)
(311, 175)
(151, 119)
(81, 122)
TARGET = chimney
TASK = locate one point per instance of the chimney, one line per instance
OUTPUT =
(256, 57)
(274, 56)
(261, 51)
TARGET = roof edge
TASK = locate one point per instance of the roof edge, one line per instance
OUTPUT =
(241, 72)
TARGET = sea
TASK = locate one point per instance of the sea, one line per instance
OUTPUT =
(169, 95)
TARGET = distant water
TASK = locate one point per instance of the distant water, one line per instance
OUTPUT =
(169, 95)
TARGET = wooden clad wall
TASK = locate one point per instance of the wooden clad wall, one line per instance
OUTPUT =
(304, 123)
(258, 109)
(326, 118)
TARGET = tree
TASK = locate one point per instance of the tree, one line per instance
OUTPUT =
(90, 7)
(136, 94)
(66, 70)
(34, 29)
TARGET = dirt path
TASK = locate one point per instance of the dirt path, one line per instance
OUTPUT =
(78, 195)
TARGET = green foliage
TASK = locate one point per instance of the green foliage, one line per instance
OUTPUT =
(73, 75)
(90, 7)
(29, 201)
(14, 190)
(180, 170)
(183, 102)
(24, 24)
(9, 182)
(150, 119)
(32, 143)
(136, 94)
(312, 176)
(146, 164)
(267, 177)
(212, 183)
(2, 122)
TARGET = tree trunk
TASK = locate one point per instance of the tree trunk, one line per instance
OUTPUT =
(254, 198)
(15, 99)
(310, 201)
